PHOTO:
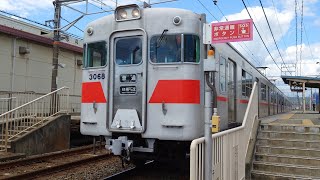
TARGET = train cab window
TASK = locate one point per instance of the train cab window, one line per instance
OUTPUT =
(95, 54)
(263, 92)
(167, 48)
(246, 84)
(191, 48)
(128, 50)
(222, 73)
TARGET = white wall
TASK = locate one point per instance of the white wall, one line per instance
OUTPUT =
(32, 72)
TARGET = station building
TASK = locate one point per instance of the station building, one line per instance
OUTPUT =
(26, 60)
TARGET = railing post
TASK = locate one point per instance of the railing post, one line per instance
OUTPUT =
(7, 133)
(68, 105)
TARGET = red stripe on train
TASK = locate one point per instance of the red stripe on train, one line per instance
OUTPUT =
(176, 91)
(222, 98)
(92, 92)
(244, 101)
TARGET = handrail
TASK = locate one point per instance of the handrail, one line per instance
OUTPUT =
(229, 146)
(33, 101)
(23, 118)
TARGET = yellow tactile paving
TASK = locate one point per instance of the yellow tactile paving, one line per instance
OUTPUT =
(307, 122)
(286, 116)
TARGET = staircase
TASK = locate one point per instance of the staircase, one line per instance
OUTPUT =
(31, 115)
(17, 129)
(287, 152)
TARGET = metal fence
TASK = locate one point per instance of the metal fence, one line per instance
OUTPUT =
(11, 100)
(229, 147)
(22, 119)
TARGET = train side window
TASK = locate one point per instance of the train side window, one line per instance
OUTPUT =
(222, 72)
(95, 54)
(246, 84)
(249, 85)
(263, 92)
(191, 48)
(129, 50)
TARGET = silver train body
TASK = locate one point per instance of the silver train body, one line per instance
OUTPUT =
(133, 88)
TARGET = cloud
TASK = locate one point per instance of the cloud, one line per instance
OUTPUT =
(317, 22)
(112, 3)
(25, 7)
(280, 22)
(308, 6)
(283, 18)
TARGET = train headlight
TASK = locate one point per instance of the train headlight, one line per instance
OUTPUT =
(129, 12)
(135, 13)
(122, 14)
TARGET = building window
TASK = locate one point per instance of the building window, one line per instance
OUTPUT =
(129, 51)
(95, 54)
(222, 72)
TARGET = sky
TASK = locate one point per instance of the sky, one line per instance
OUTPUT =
(281, 15)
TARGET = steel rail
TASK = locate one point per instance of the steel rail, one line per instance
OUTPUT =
(37, 158)
(61, 167)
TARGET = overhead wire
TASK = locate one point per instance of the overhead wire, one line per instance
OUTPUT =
(254, 15)
(250, 53)
(70, 22)
(273, 36)
(305, 32)
(281, 31)
(207, 10)
(227, 20)
(11, 14)
(220, 10)
(102, 3)
(95, 5)
(261, 36)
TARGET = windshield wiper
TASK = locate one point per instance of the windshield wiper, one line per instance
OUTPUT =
(160, 39)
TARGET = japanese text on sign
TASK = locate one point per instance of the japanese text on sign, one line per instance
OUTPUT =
(232, 31)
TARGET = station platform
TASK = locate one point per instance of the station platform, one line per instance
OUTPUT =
(294, 118)
(288, 147)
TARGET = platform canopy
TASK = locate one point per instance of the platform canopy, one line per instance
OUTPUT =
(299, 84)
(297, 81)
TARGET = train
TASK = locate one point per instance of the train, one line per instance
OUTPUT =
(143, 83)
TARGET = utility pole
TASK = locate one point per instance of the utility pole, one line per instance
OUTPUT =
(56, 41)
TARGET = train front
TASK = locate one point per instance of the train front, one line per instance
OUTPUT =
(142, 80)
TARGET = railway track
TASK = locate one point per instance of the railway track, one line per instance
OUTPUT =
(153, 170)
(44, 165)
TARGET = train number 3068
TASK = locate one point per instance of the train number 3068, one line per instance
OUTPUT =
(97, 76)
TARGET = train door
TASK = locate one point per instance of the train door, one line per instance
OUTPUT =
(268, 96)
(231, 80)
(128, 81)
(258, 88)
(277, 101)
